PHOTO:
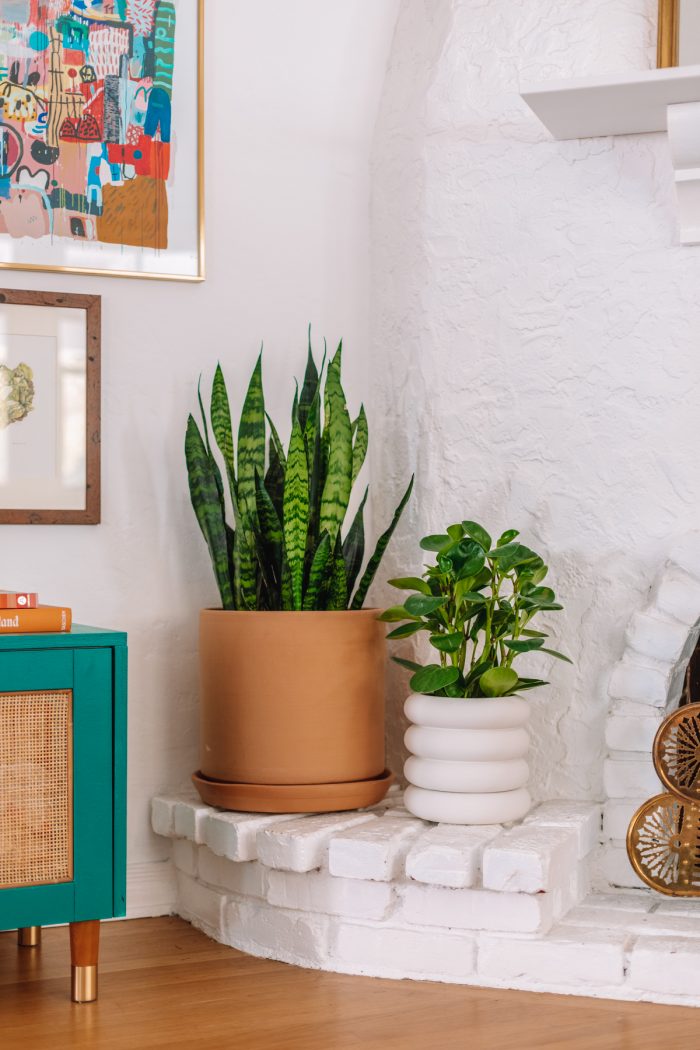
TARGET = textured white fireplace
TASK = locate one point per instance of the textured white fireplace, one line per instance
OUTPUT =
(534, 360)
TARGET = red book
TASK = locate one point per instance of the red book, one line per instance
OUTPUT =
(45, 619)
(18, 599)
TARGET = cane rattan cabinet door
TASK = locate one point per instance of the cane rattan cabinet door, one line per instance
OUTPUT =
(62, 746)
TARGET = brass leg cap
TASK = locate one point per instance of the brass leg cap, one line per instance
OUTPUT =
(29, 937)
(83, 984)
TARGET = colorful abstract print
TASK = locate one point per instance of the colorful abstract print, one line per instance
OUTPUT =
(86, 92)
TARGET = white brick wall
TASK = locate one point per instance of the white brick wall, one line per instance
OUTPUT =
(395, 917)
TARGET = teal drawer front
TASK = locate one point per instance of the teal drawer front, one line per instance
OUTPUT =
(29, 670)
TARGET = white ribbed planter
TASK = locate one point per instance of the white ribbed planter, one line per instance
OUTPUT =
(468, 759)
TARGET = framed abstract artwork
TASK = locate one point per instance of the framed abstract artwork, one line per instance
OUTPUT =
(49, 408)
(101, 137)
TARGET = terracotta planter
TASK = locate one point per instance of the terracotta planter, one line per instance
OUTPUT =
(468, 761)
(292, 700)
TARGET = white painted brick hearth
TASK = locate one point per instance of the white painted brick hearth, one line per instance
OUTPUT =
(449, 855)
(417, 906)
(373, 851)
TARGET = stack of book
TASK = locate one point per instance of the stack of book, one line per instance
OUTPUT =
(20, 613)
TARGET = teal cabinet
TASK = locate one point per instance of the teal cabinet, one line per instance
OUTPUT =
(63, 781)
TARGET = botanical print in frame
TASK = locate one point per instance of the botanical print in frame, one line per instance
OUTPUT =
(101, 137)
(49, 408)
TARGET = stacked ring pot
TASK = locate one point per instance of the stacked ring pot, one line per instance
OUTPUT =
(468, 759)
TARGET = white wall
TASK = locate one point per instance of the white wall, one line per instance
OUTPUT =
(535, 329)
(291, 98)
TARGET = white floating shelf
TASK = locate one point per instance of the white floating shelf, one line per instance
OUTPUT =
(632, 104)
(616, 104)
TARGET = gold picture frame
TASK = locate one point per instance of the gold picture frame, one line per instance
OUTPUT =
(668, 34)
(199, 240)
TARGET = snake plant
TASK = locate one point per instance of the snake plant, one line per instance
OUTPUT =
(287, 547)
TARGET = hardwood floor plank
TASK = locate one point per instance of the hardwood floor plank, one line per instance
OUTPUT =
(165, 986)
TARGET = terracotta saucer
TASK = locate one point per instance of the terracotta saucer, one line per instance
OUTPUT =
(293, 798)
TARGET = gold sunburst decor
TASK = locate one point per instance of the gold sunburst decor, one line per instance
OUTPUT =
(663, 840)
(677, 752)
(663, 844)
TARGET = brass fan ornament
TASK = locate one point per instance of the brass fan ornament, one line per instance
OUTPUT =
(663, 840)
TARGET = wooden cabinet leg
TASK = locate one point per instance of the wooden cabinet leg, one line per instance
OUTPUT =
(29, 937)
(84, 953)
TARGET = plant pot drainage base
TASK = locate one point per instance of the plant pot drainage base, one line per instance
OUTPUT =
(293, 798)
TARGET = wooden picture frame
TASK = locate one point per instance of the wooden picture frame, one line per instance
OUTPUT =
(79, 499)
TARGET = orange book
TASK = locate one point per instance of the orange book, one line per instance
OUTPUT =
(49, 619)
(18, 599)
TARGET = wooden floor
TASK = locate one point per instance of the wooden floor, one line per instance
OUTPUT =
(164, 984)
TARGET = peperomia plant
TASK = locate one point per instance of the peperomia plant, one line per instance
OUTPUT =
(477, 603)
(287, 547)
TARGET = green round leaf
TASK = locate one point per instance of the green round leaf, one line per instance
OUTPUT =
(498, 681)
(524, 645)
(435, 543)
(447, 643)
(394, 615)
(410, 583)
(422, 605)
(455, 532)
(477, 533)
(507, 536)
(405, 630)
(433, 677)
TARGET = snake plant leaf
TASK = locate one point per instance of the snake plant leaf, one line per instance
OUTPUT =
(274, 478)
(309, 387)
(361, 441)
(338, 482)
(208, 509)
(203, 414)
(296, 511)
(287, 594)
(338, 598)
(277, 461)
(271, 542)
(251, 457)
(354, 545)
(220, 412)
(251, 444)
(295, 402)
(317, 572)
(382, 544)
(312, 442)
